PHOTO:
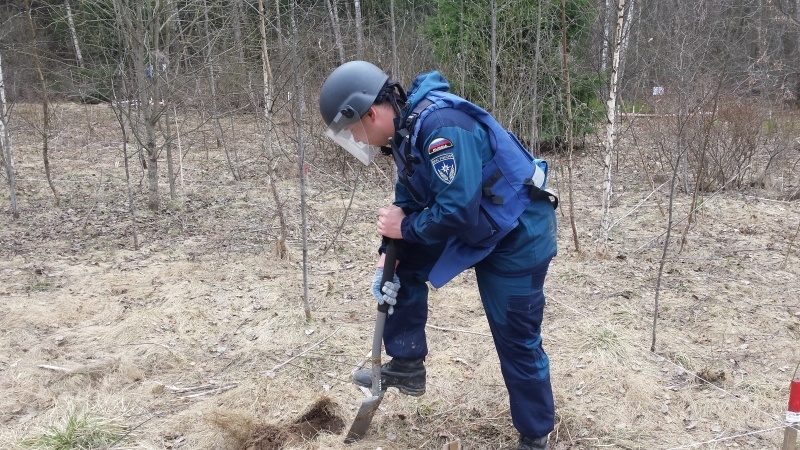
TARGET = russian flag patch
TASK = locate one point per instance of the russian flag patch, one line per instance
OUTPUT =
(439, 144)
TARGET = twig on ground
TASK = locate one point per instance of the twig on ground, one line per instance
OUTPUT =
(217, 390)
(55, 368)
(271, 372)
(456, 331)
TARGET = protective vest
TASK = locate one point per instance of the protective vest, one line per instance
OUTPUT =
(511, 180)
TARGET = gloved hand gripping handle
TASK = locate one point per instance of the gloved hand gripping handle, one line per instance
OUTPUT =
(388, 270)
(377, 338)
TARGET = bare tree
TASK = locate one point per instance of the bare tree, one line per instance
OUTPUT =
(611, 120)
(337, 33)
(6, 152)
(45, 130)
(139, 33)
(269, 136)
(131, 208)
(212, 82)
(298, 121)
(568, 101)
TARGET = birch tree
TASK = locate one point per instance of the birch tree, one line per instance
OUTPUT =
(74, 34)
(5, 146)
(611, 118)
(359, 30)
(608, 31)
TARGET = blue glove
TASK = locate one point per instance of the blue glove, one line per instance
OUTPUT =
(387, 293)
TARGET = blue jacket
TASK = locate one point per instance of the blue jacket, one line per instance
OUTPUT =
(463, 179)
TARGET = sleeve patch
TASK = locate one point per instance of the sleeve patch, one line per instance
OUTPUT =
(445, 167)
(439, 144)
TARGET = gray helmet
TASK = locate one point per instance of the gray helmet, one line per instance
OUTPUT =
(350, 90)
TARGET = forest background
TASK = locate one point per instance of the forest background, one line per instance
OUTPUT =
(186, 256)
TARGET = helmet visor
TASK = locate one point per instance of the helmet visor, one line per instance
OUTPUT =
(353, 138)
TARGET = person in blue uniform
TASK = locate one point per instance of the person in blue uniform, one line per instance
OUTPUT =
(468, 195)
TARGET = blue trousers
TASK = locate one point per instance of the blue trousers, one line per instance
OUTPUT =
(510, 282)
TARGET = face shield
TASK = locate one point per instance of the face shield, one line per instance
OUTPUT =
(347, 131)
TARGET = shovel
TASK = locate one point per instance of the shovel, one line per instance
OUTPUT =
(370, 404)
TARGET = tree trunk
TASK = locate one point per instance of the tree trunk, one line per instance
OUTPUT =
(493, 58)
(169, 146)
(120, 115)
(462, 54)
(298, 108)
(337, 34)
(170, 64)
(74, 34)
(236, 18)
(278, 28)
(6, 154)
(626, 38)
(153, 109)
(268, 143)
(611, 120)
(265, 67)
(568, 88)
(395, 60)
(534, 141)
(607, 31)
(359, 31)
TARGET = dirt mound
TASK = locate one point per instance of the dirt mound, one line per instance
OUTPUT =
(322, 417)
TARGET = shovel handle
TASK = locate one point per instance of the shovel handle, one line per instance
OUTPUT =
(377, 338)
(388, 269)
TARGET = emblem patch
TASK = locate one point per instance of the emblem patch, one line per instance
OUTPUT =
(439, 144)
(445, 167)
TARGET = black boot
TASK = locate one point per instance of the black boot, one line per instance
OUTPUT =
(407, 375)
(539, 443)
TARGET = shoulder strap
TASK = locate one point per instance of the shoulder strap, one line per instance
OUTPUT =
(409, 122)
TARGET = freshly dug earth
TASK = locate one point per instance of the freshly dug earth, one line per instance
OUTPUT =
(199, 338)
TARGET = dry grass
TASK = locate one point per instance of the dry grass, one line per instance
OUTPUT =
(198, 339)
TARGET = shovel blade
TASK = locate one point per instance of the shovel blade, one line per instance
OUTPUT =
(363, 418)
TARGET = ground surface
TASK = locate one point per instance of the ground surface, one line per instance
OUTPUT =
(198, 339)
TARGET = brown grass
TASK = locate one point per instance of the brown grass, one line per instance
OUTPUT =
(198, 340)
